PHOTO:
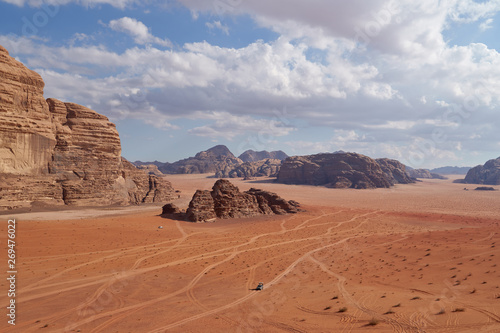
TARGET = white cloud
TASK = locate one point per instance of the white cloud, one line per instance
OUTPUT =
(486, 25)
(86, 3)
(218, 25)
(228, 126)
(138, 30)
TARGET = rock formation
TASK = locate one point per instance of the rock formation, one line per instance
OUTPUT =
(151, 169)
(264, 168)
(395, 171)
(61, 153)
(341, 170)
(215, 159)
(487, 174)
(170, 209)
(226, 201)
(254, 156)
(423, 174)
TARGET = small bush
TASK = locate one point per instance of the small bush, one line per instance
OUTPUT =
(397, 305)
(373, 322)
(459, 310)
(327, 308)
(344, 309)
(442, 311)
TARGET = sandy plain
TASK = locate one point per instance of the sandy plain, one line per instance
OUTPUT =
(413, 258)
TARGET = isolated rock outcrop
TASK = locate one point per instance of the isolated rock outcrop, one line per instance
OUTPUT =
(254, 156)
(488, 174)
(170, 209)
(61, 153)
(341, 170)
(226, 201)
(264, 168)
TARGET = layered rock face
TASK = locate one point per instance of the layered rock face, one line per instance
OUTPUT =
(27, 138)
(254, 156)
(226, 201)
(340, 170)
(395, 171)
(264, 168)
(488, 174)
(62, 153)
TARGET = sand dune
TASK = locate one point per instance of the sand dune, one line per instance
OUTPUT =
(415, 258)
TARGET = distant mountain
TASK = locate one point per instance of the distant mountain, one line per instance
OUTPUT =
(423, 173)
(488, 174)
(208, 161)
(451, 170)
(254, 156)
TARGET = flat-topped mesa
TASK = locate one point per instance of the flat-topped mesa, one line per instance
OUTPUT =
(342, 170)
(56, 153)
(226, 201)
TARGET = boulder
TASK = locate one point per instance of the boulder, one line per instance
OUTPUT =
(170, 209)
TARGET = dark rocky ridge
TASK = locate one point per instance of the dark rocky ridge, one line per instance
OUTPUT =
(226, 201)
(264, 168)
(342, 170)
(254, 156)
(487, 174)
(218, 158)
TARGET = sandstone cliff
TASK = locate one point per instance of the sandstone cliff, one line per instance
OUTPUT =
(488, 174)
(61, 153)
(226, 201)
(341, 170)
(264, 168)
(254, 156)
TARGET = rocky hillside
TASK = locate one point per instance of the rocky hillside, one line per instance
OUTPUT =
(264, 168)
(215, 159)
(226, 201)
(342, 170)
(488, 174)
(61, 153)
(254, 156)
(423, 174)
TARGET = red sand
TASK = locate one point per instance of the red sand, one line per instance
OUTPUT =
(415, 258)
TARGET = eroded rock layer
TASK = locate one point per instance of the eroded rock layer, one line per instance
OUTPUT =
(342, 170)
(226, 201)
(62, 153)
(488, 174)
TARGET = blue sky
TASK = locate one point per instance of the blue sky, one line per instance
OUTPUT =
(417, 82)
